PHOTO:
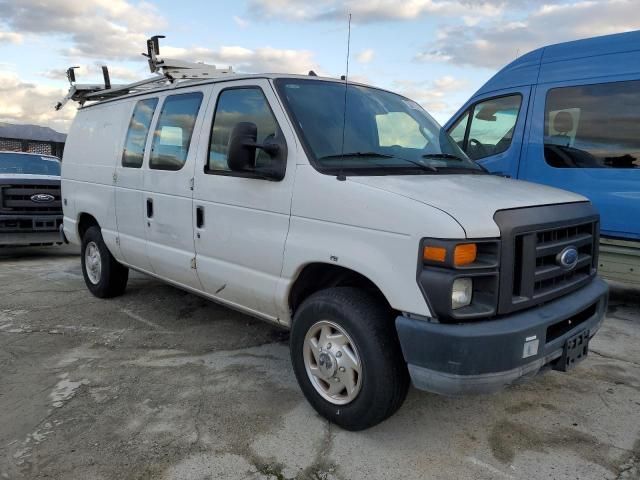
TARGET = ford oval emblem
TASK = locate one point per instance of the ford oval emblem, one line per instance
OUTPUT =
(42, 198)
(568, 258)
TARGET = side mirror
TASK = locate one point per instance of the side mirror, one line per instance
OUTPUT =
(241, 153)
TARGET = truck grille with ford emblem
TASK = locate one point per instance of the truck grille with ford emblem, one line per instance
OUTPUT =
(554, 254)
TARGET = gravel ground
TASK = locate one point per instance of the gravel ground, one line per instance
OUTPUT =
(162, 384)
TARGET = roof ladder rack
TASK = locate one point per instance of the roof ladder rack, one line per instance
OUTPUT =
(166, 71)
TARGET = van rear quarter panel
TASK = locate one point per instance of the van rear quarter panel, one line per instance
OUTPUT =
(94, 143)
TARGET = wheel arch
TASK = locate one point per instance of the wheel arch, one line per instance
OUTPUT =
(317, 276)
(86, 220)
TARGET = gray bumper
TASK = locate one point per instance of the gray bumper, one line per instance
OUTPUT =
(486, 356)
(31, 238)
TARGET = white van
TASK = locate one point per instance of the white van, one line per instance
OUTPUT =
(388, 253)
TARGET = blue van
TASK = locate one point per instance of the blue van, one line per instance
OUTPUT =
(568, 115)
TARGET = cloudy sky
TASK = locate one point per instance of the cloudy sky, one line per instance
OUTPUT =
(437, 52)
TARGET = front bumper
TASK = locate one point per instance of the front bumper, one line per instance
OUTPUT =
(486, 356)
(30, 230)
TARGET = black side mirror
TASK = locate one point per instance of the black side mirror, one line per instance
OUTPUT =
(241, 153)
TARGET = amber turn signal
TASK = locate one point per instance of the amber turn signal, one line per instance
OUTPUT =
(435, 254)
(465, 254)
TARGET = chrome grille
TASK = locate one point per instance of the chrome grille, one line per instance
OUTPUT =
(16, 200)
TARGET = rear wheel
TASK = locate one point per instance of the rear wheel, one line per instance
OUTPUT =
(347, 359)
(103, 275)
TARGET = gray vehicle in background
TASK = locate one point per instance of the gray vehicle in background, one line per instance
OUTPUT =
(30, 205)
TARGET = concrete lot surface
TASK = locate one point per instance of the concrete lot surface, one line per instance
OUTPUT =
(162, 384)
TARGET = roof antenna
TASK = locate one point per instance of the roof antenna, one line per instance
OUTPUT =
(341, 176)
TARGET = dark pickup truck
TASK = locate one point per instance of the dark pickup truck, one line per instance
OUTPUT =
(30, 204)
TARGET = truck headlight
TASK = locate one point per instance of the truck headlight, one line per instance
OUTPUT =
(459, 278)
(461, 293)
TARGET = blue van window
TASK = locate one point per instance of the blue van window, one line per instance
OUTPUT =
(492, 124)
(459, 129)
(593, 126)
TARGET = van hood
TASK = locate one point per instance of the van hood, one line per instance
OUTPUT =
(471, 200)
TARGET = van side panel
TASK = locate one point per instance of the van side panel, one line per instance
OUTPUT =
(94, 142)
(524, 71)
(372, 240)
(614, 191)
(597, 67)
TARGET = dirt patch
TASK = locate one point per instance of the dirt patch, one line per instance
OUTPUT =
(507, 439)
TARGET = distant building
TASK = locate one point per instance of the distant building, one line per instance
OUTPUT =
(32, 139)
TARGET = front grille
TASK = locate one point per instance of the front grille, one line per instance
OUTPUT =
(16, 200)
(549, 276)
(532, 241)
(537, 272)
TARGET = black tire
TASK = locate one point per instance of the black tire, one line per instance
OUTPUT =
(368, 321)
(113, 276)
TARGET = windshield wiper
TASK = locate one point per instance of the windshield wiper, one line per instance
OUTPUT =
(428, 168)
(443, 155)
(422, 166)
(477, 168)
(357, 154)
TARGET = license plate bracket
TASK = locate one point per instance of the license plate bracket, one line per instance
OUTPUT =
(576, 348)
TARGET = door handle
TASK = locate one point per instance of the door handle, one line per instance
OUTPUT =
(149, 208)
(200, 217)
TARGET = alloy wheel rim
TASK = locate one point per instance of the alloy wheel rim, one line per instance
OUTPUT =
(332, 362)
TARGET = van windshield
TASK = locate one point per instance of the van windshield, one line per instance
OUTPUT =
(383, 134)
(19, 163)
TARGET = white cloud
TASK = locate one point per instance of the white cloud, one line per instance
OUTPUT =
(370, 10)
(10, 37)
(105, 29)
(259, 60)
(365, 56)
(22, 102)
(241, 22)
(496, 42)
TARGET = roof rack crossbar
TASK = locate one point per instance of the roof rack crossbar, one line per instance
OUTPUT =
(166, 70)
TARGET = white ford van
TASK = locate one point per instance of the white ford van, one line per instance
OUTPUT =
(362, 228)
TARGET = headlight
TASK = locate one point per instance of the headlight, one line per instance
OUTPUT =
(461, 293)
(459, 278)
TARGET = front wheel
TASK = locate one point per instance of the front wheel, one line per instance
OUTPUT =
(347, 358)
(103, 275)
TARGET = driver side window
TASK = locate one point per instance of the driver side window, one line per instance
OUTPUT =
(492, 124)
(235, 105)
